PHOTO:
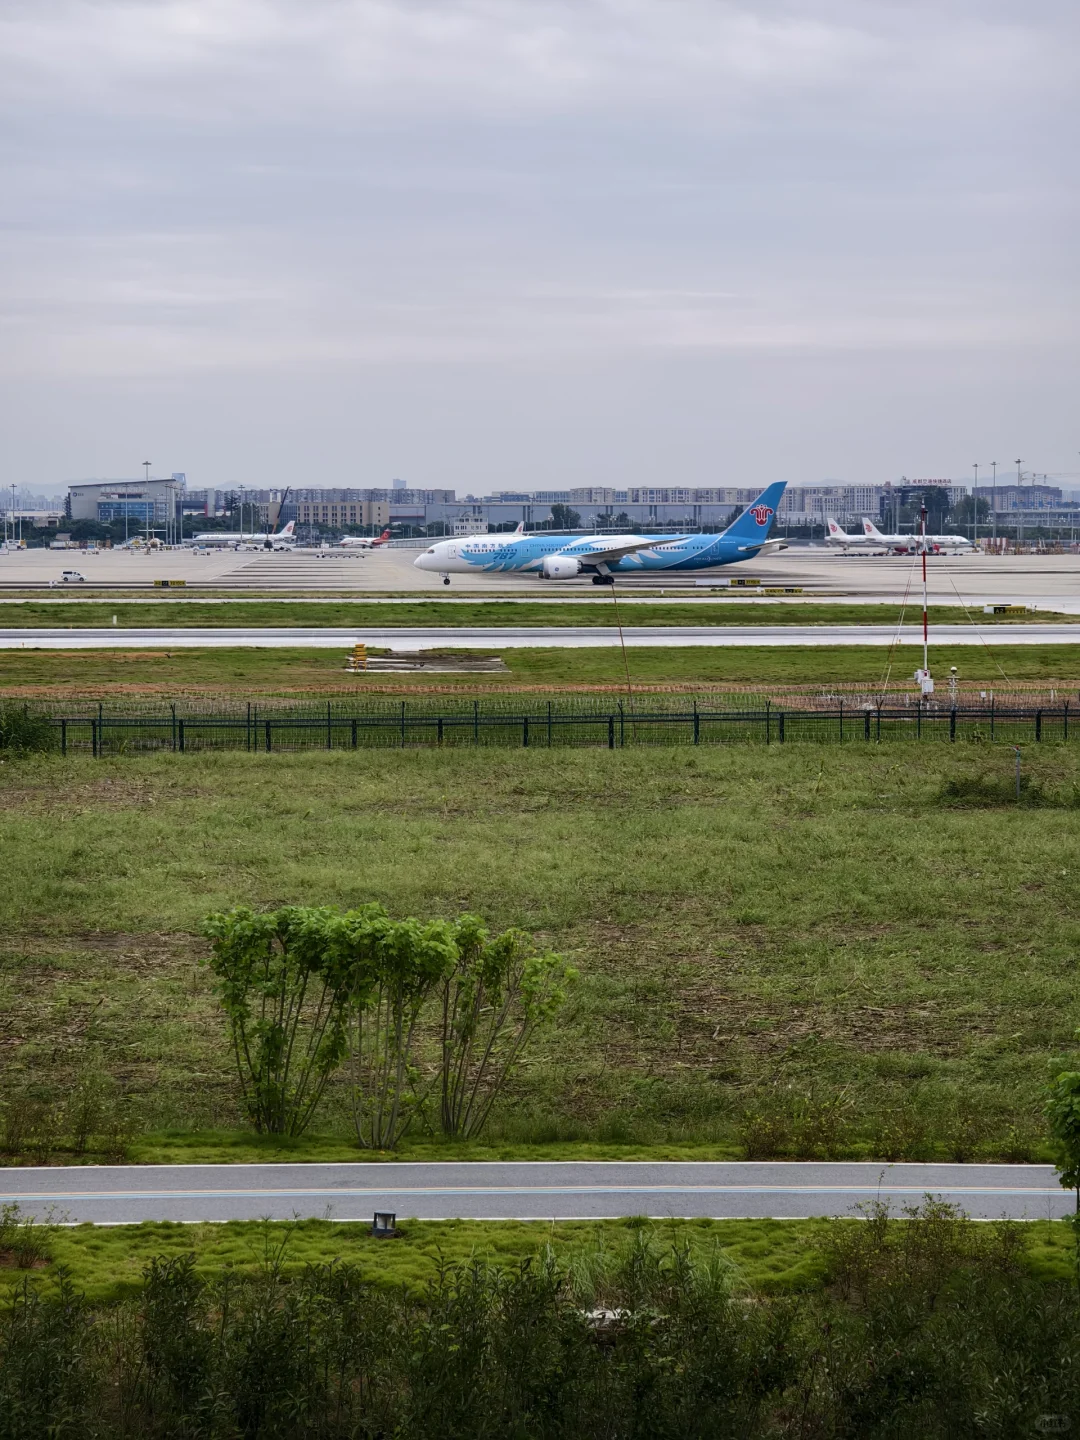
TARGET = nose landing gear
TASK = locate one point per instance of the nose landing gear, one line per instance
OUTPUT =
(446, 579)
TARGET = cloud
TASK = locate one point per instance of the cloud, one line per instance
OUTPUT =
(210, 59)
(238, 188)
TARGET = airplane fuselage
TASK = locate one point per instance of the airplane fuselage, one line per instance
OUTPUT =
(527, 553)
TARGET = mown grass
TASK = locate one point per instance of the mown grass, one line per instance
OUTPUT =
(246, 672)
(712, 610)
(804, 950)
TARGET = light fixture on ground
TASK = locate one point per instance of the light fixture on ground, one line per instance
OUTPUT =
(384, 1225)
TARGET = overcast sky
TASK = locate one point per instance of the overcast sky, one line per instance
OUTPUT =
(500, 243)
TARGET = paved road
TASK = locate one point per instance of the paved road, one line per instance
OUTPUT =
(511, 637)
(523, 1190)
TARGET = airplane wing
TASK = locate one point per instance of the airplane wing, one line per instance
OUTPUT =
(616, 552)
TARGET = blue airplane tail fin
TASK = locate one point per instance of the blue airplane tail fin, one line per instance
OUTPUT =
(753, 524)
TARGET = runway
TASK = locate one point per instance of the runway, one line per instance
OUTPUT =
(518, 1190)
(509, 637)
(1051, 581)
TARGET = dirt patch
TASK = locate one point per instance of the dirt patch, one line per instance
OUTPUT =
(108, 792)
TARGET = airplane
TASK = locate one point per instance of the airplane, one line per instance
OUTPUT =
(912, 544)
(838, 536)
(279, 540)
(363, 542)
(561, 557)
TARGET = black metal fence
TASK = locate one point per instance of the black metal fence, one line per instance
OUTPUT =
(520, 721)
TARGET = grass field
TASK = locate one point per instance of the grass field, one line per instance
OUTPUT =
(766, 1257)
(714, 610)
(807, 951)
(249, 672)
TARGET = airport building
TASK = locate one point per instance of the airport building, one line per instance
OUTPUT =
(1007, 498)
(142, 503)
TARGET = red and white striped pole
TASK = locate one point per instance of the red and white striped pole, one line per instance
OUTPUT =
(925, 625)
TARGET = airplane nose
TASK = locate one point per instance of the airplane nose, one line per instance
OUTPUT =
(422, 561)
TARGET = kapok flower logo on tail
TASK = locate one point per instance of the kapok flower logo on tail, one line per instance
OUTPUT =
(762, 514)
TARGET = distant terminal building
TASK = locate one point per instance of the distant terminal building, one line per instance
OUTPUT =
(1021, 497)
(812, 504)
(152, 502)
(632, 507)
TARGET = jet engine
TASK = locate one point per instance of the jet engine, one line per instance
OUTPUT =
(561, 567)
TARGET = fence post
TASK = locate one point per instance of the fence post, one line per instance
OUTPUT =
(918, 719)
(476, 722)
(1066, 720)
(781, 719)
(63, 737)
(611, 732)
(768, 722)
(247, 728)
(329, 730)
(952, 723)
(95, 743)
(525, 730)
(1038, 724)
(841, 722)
(180, 735)
(697, 725)
(268, 737)
(879, 723)
(866, 725)
(439, 722)
(354, 738)
(173, 710)
(403, 724)
(991, 717)
(549, 724)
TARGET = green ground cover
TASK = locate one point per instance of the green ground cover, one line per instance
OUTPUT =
(768, 1257)
(798, 951)
(106, 1262)
(716, 610)
(248, 672)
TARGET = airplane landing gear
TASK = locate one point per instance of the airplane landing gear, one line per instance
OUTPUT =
(603, 579)
(446, 579)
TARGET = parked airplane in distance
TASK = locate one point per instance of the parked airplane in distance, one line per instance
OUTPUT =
(561, 557)
(279, 540)
(838, 536)
(363, 542)
(912, 544)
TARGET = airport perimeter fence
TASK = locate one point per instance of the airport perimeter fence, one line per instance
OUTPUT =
(528, 722)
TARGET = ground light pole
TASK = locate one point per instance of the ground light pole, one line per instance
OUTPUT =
(146, 506)
(975, 508)
(12, 516)
(1019, 506)
(993, 502)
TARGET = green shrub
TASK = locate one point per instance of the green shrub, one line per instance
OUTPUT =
(22, 730)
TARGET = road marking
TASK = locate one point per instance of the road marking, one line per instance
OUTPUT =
(479, 1192)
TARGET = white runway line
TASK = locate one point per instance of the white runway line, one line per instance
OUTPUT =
(563, 637)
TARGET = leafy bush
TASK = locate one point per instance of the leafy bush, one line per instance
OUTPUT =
(304, 989)
(22, 730)
(498, 994)
(286, 992)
